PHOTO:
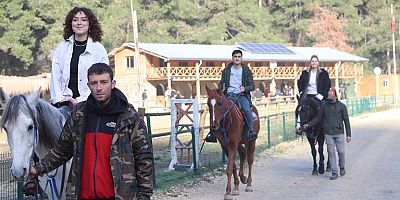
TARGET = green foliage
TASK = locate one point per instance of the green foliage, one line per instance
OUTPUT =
(30, 30)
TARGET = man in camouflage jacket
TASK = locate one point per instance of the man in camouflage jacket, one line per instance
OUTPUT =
(108, 142)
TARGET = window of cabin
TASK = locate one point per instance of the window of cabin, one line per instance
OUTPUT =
(258, 64)
(130, 62)
(162, 63)
(183, 64)
(210, 64)
(385, 83)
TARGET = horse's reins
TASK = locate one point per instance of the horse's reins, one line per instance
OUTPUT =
(35, 159)
(223, 116)
(308, 113)
(213, 103)
(36, 140)
(304, 121)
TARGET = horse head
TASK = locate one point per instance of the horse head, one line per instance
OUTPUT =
(215, 102)
(20, 124)
(303, 114)
(33, 127)
(306, 110)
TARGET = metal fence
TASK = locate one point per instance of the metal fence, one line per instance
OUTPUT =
(357, 106)
(275, 129)
(8, 185)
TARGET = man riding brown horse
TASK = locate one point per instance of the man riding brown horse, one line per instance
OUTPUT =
(237, 83)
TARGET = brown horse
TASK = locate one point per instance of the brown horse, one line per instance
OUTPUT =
(228, 124)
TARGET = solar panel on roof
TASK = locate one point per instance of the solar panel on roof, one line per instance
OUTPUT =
(264, 48)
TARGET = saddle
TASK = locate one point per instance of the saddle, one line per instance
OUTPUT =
(241, 116)
(239, 109)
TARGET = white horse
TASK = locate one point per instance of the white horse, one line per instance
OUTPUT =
(33, 127)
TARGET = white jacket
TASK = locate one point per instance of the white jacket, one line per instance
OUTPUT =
(60, 68)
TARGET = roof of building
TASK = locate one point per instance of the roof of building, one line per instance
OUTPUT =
(223, 52)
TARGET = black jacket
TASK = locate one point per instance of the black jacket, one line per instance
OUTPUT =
(247, 80)
(333, 116)
(323, 82)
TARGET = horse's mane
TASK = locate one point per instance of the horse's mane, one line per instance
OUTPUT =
(11, 109)
(48, 119)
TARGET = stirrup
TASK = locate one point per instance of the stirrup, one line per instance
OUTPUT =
(252, 136)
(211, 137)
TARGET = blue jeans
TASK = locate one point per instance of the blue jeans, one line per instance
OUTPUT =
(246, 108)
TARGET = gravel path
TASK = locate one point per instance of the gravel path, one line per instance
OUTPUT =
(372, 166)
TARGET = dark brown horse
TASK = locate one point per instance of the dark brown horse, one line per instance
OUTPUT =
(228, 124)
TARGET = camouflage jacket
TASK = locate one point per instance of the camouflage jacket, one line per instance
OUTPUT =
(131, 155)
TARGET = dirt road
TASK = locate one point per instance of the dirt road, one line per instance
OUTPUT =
(372, 164)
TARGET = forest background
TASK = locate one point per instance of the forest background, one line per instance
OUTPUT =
(31, 29)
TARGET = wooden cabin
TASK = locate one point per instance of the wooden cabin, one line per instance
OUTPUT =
(187, 68)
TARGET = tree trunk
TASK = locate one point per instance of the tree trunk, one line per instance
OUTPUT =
(298, 43)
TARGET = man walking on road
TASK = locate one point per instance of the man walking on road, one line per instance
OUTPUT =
(333, 115)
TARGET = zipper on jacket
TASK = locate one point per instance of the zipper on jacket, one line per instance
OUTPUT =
(95, 158)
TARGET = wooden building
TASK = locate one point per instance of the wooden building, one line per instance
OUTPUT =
(189, 67)
(382, 85)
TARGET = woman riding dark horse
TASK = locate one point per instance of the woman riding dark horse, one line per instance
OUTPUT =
(313, 85)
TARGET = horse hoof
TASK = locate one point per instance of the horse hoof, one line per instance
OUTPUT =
(321, 169)
(235, 193)
(243, 179)
(249, 189)
(315, 172)
(229, 197)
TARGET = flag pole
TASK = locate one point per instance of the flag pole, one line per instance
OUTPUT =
(136, 56)
(393, 26)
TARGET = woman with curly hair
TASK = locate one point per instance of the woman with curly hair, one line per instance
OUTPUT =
(80, 49)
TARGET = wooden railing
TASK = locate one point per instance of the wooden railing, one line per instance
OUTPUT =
(259, 73)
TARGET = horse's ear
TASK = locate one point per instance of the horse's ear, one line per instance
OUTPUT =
(34, 97)
(3, 97)
(207, 89)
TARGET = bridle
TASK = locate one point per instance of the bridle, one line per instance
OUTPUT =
(305, 107)
(223, 127)
(302, 121)
(34, 159)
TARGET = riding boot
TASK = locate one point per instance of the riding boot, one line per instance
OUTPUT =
(251, 135)
(211, 137)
